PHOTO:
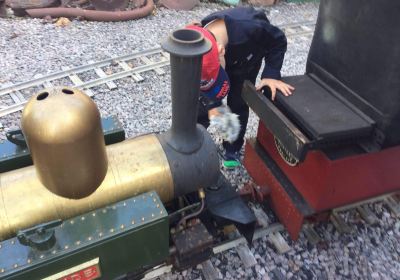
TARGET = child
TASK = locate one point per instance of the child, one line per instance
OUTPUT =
(241, 38)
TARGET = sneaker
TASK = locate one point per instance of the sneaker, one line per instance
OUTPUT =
(231, 159)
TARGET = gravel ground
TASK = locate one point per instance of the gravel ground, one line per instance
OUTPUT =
(32, 47)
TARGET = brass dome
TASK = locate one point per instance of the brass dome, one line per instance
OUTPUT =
(64, 134)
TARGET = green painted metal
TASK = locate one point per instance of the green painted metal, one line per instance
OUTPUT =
(13, 156)
(124, 236)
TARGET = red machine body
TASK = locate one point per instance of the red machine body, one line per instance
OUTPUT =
(323, 183)
(327, 184)
(336, 140)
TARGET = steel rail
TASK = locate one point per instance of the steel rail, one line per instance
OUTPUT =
(12, 90)
(76, 70)
(86, 85)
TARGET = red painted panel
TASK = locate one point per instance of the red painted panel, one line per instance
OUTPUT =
(327, 184)
(279, 200)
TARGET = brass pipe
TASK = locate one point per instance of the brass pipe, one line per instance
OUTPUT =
(135, 166)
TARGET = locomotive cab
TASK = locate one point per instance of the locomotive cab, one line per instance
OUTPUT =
(336, 140)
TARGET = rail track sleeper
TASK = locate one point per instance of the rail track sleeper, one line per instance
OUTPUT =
(279, 242)
(259, 233)
(47, 84)
(246, 255)
(289, 31)
(111, 85)
(363, 202)
(77, 82)
(303, 33)
(339, 223)
(160, 272)
(393, 205)
(305, 28)
(367, 214)
(311, 235)
(148, 61)
(272, 228)
(301, 23)
(209, 271)
(165, 54)
(17, 97)
(126, 67)
(261, 216)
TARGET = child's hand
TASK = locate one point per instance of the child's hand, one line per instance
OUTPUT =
(273, 84)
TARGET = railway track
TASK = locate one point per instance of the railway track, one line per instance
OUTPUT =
(272, 232)
(13, 97)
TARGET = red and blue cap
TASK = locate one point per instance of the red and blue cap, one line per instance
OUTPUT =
(214, 82)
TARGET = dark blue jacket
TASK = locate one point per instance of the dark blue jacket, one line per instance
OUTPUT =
(250, 39)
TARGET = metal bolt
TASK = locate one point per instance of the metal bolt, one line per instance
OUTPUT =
(122, 226)
(12, 242)
(66, 247)
(104, 211)
(133, 222)
(124, 204)
(112, 230)
(82, 218)
(134, 200)
(53, 252)
(114, 207)
(41, 256)
(100, 234)
(152, 214)
(77, 242)
(15, 265)
(29, 261)
(158, 205)
(2, 270)
(161, 211)
(89, 238)
(93, 214)
(151, 194)
(72, 222)
(142, 219)
(155, 200)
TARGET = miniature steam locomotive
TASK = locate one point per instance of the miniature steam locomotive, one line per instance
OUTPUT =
(90, 210)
